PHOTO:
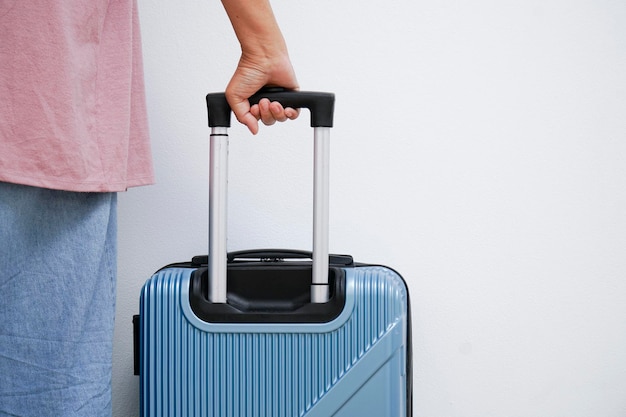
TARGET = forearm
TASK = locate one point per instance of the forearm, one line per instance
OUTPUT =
(255, 26)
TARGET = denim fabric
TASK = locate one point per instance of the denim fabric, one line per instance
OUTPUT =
(57, 301)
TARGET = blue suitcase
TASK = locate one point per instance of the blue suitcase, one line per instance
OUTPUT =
(273, 333)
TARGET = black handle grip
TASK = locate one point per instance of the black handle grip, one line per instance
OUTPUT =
(269, 254)
(276, 255)
(321, 105)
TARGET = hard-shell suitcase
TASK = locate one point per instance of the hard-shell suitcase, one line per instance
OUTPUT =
(273, 333)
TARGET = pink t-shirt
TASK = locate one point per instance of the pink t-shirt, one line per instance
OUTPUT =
(72, 102)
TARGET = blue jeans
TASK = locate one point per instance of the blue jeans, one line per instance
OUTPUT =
(57, 301)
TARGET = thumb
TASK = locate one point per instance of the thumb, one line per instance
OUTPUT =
(244, 84)
(241, 109)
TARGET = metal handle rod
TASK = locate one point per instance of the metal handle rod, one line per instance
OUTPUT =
(321, 185)
(218, 199)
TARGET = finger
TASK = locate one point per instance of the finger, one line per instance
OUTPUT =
(255, 111)
(266, 114)
(278, 112)
(292, 114)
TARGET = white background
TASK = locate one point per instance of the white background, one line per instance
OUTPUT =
(479, 149)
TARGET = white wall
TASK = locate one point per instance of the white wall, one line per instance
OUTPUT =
(479, 149)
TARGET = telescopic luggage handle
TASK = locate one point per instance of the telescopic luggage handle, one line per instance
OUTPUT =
(321, 106)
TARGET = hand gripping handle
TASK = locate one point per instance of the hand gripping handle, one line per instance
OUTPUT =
(321, 106)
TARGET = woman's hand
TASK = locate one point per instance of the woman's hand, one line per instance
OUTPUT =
(264, 62)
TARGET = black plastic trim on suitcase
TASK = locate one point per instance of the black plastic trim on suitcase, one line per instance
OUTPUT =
(136, 344)
(265, 292)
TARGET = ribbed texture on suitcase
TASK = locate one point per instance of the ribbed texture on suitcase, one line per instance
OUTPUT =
(187, 371)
